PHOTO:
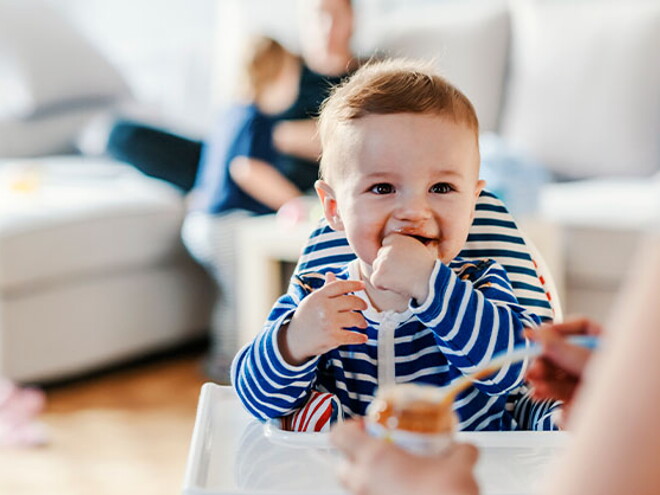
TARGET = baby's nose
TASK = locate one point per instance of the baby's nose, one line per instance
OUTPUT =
(413, 208)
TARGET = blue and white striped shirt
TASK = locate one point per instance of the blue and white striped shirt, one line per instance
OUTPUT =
(470, 315)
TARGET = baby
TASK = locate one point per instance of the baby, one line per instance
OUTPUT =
(400, 176)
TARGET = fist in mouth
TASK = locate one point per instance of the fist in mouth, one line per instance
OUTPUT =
(404, 264)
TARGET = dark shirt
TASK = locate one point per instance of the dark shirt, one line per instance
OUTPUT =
(241, 131)
(312, 90)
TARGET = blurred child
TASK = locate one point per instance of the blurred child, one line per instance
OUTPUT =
(239, 176)
(400, 171)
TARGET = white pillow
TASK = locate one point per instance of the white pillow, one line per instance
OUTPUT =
(584, 92)
(45, 64)
(468, 40)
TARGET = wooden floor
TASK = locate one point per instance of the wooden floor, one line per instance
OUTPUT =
(121, 432)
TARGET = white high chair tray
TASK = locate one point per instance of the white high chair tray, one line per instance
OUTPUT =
(231, 453)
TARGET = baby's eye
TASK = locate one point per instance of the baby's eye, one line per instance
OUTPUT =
(442, 188)
(382, 188)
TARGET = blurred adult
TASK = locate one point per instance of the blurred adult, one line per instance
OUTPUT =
(326, 28)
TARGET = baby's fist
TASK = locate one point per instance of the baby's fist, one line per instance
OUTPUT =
(403, 265)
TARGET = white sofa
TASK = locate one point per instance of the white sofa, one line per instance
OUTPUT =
(92, 270)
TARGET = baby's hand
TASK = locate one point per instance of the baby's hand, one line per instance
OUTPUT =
(403, 265)
(319, 323)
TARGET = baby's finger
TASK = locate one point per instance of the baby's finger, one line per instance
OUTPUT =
(352, 320)
(330, 277)
(341, 287)
(350, 303)
(346, 337)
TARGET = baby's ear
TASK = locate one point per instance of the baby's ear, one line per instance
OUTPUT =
(480, 187)
(477, 191)
(329, 202)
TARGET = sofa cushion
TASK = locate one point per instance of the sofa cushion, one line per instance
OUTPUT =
(608, 203)
(69, 217)
(583, 96)
(46, 135)
(468, 42)
(52, 80)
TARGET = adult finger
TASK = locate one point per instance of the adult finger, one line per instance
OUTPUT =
(346, 475)
(464, 454)
(349, 436)
(571, 358)
(551, 381)
(537, 370)
(557, 390)
(557, 350)
(574, 326)
(544, 369)
(577, 326)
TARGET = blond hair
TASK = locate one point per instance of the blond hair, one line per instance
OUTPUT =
(263, 60)
(389, 87)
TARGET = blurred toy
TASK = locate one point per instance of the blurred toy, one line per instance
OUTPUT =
(18, 409)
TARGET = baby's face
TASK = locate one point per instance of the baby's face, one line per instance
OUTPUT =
(408, 174)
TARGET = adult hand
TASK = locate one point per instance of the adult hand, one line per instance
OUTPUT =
(557, 373)
(403, 265)
(319, 323)
(374, 466)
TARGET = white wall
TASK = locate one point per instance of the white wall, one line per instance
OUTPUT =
(164, 48)
(180, 56)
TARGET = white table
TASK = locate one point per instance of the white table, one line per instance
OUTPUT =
(229, 454)
(263, 245)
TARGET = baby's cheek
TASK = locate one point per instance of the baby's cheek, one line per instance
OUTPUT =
(365, 247)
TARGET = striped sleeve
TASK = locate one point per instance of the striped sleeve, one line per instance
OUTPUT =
(266, 384)
(531, 414)
(474, 320)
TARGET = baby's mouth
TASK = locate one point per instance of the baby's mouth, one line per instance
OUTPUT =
(423, 239)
